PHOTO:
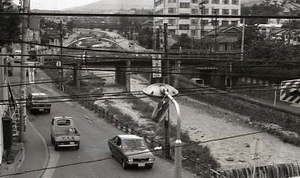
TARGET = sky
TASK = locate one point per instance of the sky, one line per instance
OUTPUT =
(57, 4)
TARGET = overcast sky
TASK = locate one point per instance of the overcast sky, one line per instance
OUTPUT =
(57, 4)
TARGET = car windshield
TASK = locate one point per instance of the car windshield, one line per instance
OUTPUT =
(40, 98)
(134, 144)
(64, 122)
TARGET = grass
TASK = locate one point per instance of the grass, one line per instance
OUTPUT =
(199, 157)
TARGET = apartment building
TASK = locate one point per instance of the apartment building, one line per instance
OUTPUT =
(195, 27)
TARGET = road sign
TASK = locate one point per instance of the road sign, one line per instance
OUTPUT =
(290, 91)
(156, 66)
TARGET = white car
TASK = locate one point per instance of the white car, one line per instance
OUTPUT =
(64, 133)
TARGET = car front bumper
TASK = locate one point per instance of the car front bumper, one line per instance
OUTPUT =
(67, 144)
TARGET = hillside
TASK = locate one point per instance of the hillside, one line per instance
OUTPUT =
(114, 5)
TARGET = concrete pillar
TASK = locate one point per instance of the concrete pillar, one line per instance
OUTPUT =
(121, 74)
(128, 74)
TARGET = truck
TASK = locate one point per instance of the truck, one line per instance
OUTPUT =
(64, 133)
(37, 101)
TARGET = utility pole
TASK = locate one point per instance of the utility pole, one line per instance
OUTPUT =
(166, 79)
(25, 9)
(243, 40)
(61, 57)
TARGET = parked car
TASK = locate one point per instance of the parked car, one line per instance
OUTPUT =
(64, 133)
(131, 150)
(38, 102)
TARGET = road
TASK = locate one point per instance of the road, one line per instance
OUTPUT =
(94, 135)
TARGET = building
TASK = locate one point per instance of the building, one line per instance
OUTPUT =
(228, 39)
(195, 27)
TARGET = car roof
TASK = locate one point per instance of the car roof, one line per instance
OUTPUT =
(38, 94)
(62, 117)
(129, 137)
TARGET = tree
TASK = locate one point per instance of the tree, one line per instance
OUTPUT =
(184, 41)
(266, 8)
(145, 38)
(9, 26)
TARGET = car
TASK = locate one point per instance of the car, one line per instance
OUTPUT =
(37, 101)
(131, 150)
(64, 133)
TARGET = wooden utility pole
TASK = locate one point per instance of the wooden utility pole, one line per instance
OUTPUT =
(61, 57)
(243, 40)
(25, 9)
(166, 79)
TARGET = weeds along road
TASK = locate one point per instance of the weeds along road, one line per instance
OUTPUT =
(95, 133)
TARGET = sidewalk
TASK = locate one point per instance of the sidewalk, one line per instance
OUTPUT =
(9, 167)
(31, 143)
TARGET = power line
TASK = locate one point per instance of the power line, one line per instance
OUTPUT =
(149, 15)
(153, 150)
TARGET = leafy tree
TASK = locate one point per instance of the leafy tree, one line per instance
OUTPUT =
(9, 26)
(267, 8)
(184, 41)
(145, 38)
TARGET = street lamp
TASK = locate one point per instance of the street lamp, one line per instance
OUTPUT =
(162, 90)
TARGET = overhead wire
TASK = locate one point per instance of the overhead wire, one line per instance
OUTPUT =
(132, 154)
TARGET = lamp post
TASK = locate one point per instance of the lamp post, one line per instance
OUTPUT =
(161, 90)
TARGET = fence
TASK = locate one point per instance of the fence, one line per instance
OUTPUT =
(270, 171)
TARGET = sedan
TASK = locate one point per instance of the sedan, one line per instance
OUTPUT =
(131, 150)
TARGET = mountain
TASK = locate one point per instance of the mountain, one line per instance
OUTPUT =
(113, 6)
(250, 2)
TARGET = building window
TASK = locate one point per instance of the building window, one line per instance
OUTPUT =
(215, 11)
(194, 11)
(194, 22)
(171, 1)
(215, 1)
(225, 11)
(194, 1)
(225, 22)
(193, 32)
(235, 22)
(204, 22)
(225, 1)
(235, 2)
(171, 10)
(234, 12)
(215, 22)
(184, 27)
(184, 5)
(187, 17)
(205, 11)
(172, 21)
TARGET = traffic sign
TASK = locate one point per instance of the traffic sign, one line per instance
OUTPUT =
(290, 91)
(156, 66)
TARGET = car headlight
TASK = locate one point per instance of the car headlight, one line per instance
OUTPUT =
(130, 160)
(151, 159)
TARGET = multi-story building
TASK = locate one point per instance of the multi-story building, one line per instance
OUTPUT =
(195, 27)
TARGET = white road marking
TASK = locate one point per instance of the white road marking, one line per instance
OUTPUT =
(54, 157)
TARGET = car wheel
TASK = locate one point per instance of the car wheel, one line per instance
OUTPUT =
(124, 164)
(149, 166)
(52, 140)
(77, 147)
(55, 146)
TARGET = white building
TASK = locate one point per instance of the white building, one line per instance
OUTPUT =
(195, 27)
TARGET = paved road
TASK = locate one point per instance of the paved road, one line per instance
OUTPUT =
(94, 135)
